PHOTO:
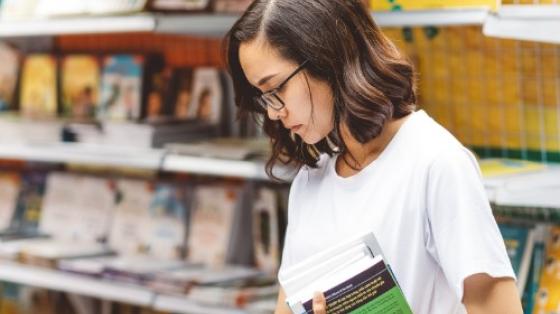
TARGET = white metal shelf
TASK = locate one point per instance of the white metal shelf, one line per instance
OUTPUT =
(539, 23)
(209, 24)
(84, 154)
(178, 304)
(103, 289)
(147, 159)
(218, 167)
(205, 25)
(60, 281)
(441, 17)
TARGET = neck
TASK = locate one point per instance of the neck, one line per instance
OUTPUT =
(358, 154)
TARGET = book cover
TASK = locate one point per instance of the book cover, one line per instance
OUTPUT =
(121, 87)
(181, 94)
(266, 233)
(77, 207)
(211, 223)
(353, 277)
(17, 9)
(166, 236)
(206, 101)
(131, 217)
(158, 95)
(80, 86)
(10, 60)
(10, 185)
(38, 93)
(372, 290)
(29, 203)
(537, 262)
(548, 295)
(519, 241)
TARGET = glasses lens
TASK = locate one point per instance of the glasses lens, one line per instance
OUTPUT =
(273, 101)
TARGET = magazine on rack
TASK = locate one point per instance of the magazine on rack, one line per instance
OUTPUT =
(353, 277)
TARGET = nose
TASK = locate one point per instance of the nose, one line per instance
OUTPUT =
(274, 114)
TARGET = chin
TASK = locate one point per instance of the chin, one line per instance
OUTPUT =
(311, 139)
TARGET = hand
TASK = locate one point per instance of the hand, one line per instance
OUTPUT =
(319, 303)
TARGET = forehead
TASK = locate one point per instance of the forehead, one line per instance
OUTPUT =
(258, 59)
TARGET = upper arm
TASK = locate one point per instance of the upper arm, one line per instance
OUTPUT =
(462, 234)
(281, 306)
(485, 294)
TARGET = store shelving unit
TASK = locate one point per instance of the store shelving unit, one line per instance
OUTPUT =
(538, 23)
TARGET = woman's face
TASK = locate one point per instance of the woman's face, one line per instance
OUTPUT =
(309, 107)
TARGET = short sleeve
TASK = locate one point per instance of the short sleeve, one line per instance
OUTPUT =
(463, 235)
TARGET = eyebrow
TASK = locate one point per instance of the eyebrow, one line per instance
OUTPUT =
(265, 79)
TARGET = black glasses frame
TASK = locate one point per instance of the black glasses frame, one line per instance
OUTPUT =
(271, 99)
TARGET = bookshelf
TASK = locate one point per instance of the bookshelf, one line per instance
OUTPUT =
(180, 305)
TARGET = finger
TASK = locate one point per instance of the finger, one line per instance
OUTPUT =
(319, 303)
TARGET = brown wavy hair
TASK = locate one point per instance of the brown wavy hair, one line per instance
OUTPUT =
(371, 81)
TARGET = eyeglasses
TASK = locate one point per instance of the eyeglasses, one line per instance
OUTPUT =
(271, 98)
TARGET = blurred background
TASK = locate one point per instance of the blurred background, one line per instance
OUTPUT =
(128, 184)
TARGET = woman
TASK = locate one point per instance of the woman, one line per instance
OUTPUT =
(338, 100)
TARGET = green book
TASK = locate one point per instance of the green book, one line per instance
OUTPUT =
(354, 278)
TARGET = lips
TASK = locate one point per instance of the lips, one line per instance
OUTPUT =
(296, 128)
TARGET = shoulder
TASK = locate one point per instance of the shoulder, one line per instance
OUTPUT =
(435, 145)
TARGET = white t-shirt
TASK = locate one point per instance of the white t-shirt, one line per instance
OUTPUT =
(423, 199)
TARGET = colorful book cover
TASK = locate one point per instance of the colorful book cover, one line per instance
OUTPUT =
(131, 216)
(547, 300)
(38, 93)
(159, 84)
(121, 87)
(10, 185)
(29, 203)
(266, 233)
(519, 241)
(492, 167)
(211, 223)
(10, 60)
(398, 5)
(206, 101)
(166, 235)
(373, 291)
(77, 207)
(80, 86)
(532, 287)
(181, 94)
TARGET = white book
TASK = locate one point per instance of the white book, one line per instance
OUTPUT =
(9, 190)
